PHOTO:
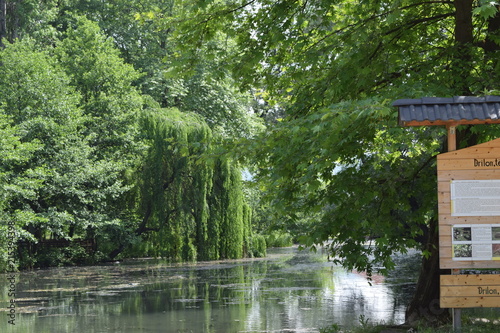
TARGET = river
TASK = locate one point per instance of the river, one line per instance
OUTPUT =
(288, 291)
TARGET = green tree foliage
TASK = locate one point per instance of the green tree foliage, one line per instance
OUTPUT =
(336, 67)
(109, 100)
(145, 42)
(192, 208)
(111, 106)
(15, 182)
(226, 110)
(85, 122)
(28, 18)
(80, 169)
(319, 52)
(142, 41)
(43, 108)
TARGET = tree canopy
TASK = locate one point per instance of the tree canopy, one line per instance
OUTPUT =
(335, 67)
(195, 207)
(92, 167)
(115, 114)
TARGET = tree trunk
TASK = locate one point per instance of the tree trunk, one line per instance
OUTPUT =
(3, 21)
(490, 46)
(425, 303)
(116, 252)
(463, 21)
(15, 24)
(462, 65)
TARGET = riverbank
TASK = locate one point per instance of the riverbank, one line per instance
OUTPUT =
(469, 325)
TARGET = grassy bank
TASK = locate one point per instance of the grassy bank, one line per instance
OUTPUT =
(469, 325)
(476, 328)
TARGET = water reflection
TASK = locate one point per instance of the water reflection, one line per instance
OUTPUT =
(290, 291)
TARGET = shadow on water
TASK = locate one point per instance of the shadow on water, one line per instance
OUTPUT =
(289, 291)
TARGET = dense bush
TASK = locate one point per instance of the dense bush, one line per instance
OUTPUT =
(278, 239)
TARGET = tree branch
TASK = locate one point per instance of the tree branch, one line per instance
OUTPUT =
(374, 17)
(220, 13)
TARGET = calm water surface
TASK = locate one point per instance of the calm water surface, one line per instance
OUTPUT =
(289, 291)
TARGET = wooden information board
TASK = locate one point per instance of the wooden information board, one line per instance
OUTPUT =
(468, 199)
(470, 291)
(469, 207)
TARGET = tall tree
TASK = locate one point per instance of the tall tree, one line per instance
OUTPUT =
(192, 206)
(111, 106)
(3, 21)
(33, 18)
(110, 101)
(39, 102)
(146, 43)
(336, 67)
(16, 182)
(82, 110)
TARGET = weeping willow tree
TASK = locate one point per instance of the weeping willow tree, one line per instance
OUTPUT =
(192, 207)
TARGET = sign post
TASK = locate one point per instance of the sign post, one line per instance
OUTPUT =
(469, 227)
(469, 198)
(469, 207)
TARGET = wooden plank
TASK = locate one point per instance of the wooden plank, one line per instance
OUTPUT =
(445, 252)
(445, 241)
(447, 219)
(451, 264)
(490, 144)
(470, 280)
(446, 229)
(444, 186)
(444, 208)
(444, 189)
(469, 302)
(452, 136)
(448, 175)
(470, 291)
(472, 152)
(417, 123)
(444, 198)
(469, 164)
(467, 291)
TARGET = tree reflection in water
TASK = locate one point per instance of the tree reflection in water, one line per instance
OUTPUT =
(289, 290)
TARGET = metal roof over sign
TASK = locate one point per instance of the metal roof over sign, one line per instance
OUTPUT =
(459, 110)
